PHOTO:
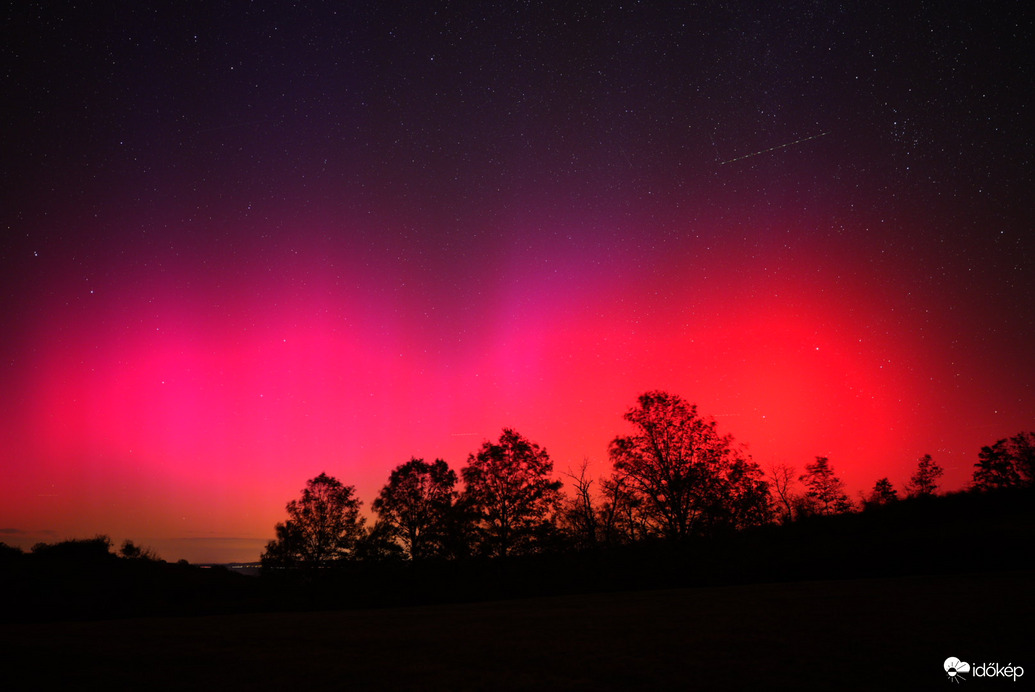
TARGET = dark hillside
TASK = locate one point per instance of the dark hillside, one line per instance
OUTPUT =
(958, 533)
(865, 634)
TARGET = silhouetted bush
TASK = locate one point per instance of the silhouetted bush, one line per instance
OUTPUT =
(84, 579)
(79, 551)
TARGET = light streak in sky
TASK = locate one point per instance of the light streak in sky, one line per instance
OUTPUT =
(766, 151)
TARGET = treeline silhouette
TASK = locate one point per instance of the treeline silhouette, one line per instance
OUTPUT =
(682, 506)
(941, 534)
(675, 478)
(87, 579)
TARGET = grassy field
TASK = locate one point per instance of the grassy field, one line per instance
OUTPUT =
(891, 633)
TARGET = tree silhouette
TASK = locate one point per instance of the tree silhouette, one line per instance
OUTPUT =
(379, 544)
(415, 504)
(579, 513)
(132, 551)
(460, 530)
(823, 490)
(1008, 463)
(621, 516)
(781, 478)
(925, 481)
(510, 494)
(686, 477)
(883, 493)
(1022, 448)
(323, 526)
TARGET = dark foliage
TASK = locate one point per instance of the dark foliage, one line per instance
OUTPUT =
(96, 550)
(913, 536)
(883, 493)
(623, 518)
(9, 554)
(132, 551)
(84, 579)
(323, 527)
(378, 545)
(1008, 463)
(415, 507)
(824, 491)
(684, 478)
(511, 495)
(925, 481)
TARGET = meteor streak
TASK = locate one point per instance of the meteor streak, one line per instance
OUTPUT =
(766, 151)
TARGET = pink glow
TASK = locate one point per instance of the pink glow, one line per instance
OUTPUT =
(175, 415)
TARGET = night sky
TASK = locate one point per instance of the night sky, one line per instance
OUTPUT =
(244, 243)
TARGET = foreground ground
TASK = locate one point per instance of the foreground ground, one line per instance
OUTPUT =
(890, 633)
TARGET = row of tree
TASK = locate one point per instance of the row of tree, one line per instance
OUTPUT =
(823, 492)
(674, 477)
